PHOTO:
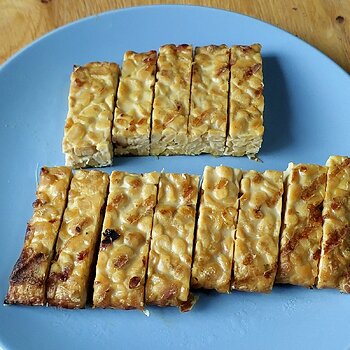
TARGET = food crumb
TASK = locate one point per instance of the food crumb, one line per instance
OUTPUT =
(146, 312)
(254, 157)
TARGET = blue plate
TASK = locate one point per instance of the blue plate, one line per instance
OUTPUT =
(307, 119)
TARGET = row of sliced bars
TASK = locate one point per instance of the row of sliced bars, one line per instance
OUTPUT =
(174, 102)
(135, 235)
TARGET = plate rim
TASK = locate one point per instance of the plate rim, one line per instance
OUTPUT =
(8, 64)
(64, 27)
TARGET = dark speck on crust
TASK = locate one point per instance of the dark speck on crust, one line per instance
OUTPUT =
(134, 282)
(110, 236)
(340, 19)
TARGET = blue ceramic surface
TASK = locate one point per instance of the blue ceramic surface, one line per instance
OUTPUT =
(306, 119)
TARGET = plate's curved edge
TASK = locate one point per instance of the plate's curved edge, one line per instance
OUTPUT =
(22, 51)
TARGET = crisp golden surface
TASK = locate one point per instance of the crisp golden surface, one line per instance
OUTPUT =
(28, 278)
(257, 237)
(170, 258)
(334, 269)
(122, 261)
(75, 248)
(301, 234)
(132, 116)
(209, 96)
(246, 106)
(171, 101)
(87, 133)
(216, 227)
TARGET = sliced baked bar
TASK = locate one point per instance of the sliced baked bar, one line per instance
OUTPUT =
(123, 255)
(171, 100)
(28, 278)
(87, 133)
(67, 284)
(209, 99)
(132, 116)
(258, 228)
(216, 226)
(334, 269)
(170, 258)
(301, 233)
(246, 106)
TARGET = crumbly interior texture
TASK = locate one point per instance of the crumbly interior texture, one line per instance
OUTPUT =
(334, 269)
(170, 257)
(87, 138)
(246, 104)
(258, 228)
(132, 116)
(122, 259)
(174, 103)
(209, 98)
(216, 227)
(301, 233)
(171, 101)
(67, 283)
(28, 278)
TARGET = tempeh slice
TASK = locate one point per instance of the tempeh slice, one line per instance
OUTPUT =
(209, 100)
(245, 124)
(67, 284)
(170, 258)
(334, 269)
(216, 227)
(258, 228)
(301, 234)
(87, 133)
(123, 255)
(28, 278)
(171, 100)
(132, 116)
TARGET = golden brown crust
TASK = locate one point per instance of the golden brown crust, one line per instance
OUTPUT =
(257, 236)
(302, 225)
(171, 100)
(28, 278)
(87, 133)
(216, 228)
(132, 116)
(170, 257)
(70, 271)
(334, 268)
(122, 260)
(245, 124)
(209, 98)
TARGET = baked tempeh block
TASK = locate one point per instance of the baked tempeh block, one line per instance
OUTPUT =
(87, 133)
(171, 100)
(334, 268)
(216, 227)
(209, 100)
(246, 106)
(258, 228)
(301, 233)
(132, 115)
(170, 257)
(122, 260)
(28, 278)
(67, 283)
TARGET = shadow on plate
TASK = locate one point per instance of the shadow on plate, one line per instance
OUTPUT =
(206, 298)
(123, 160)
(277, 114)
